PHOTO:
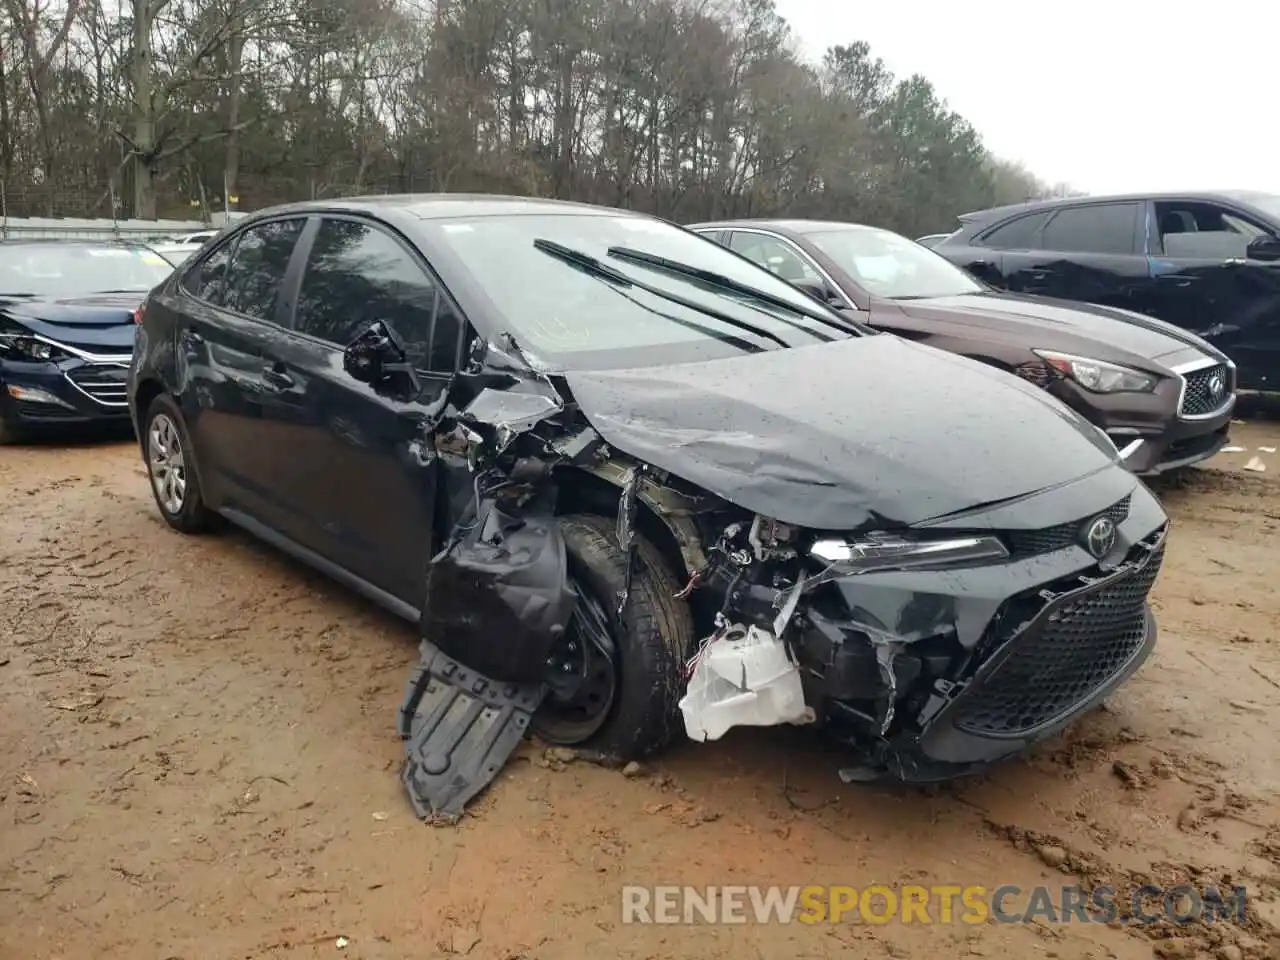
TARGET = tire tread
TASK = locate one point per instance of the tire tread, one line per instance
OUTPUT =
(659, 627)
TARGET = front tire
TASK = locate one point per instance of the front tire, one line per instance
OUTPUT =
(627, 705)
(171, 468)
(10, 433)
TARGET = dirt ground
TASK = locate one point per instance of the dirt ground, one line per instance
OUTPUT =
(198, 760)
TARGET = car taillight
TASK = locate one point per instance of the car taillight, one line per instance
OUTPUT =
(137, 314)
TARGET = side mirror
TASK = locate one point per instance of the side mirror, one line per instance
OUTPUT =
(377, 356)
(1265, 248)
(819, 291)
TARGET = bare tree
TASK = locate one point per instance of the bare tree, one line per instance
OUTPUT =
(688, 108)
(37, 65)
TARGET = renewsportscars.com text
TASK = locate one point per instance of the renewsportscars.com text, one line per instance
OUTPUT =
(943, 903)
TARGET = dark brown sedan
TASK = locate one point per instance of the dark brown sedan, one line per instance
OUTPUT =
(1163, 395)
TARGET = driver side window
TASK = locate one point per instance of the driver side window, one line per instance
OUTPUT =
(357, 274)
(1203, 230)
(775, 256)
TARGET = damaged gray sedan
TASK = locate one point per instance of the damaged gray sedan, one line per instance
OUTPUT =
(634, 487)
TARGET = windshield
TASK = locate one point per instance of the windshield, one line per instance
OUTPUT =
(79, 269)
(1268, 203)
(891, 266)
(574, 316)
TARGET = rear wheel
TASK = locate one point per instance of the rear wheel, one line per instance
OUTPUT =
(171, 468)
(616, 687)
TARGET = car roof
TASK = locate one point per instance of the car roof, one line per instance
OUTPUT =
(1052, 203)
(444, 206)
(783, 226)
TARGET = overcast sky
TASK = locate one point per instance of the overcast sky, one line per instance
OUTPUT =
(1110, 96)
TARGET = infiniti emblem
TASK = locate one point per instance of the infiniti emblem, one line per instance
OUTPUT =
(1216, 386)
(1100, 536)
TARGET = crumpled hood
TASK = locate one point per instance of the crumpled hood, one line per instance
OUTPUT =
(98, 322)
(842, 436)
(1026, 317)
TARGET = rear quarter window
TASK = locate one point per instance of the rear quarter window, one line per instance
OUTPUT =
(207, 279)
(1016, 234)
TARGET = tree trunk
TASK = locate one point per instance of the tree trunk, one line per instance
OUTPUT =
(6, 130)
(235, 90)
(144, 118)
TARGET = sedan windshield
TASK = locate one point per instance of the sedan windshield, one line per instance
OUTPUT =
(592, 290)
(1268, 203)
(79, 269)
(891, 266)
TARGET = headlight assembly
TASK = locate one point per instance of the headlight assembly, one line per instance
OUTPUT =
(1099, 376)
(886, 552)
(27, 348)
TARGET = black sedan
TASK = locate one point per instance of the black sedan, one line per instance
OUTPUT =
(66, 330)
(1162, 395)
(629, 483)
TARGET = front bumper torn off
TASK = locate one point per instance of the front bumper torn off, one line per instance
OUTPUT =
(929, 674)
(1049, 655)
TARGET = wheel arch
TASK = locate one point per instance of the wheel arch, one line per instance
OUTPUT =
(144, 395)
(598, 490)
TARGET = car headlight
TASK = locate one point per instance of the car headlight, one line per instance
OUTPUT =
(22, 346)
(887, 552)
(1099, 376)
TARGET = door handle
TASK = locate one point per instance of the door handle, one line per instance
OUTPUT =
(1178, 281)
(276, 378)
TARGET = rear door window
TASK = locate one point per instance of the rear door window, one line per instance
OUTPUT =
(776, 256)
(251, 280)
(357, 274)
(1106, 228)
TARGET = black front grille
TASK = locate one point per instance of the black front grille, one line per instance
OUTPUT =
(1200, 397)
(1059, 661)
(44, 411)
(1030, 543)
(103, 382)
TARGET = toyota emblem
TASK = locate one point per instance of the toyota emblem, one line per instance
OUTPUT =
(1100, 536)
(1217, 386)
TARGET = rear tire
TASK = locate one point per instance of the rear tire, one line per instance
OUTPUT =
(642, 714)
(172, 470)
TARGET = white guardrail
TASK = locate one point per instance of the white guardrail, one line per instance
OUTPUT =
(68, 228)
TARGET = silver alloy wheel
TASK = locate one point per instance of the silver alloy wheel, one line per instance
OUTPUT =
(166, 462)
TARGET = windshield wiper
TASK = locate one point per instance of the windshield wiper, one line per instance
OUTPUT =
(746, 346)
(711, 278)
(591, 265)
(583, 260)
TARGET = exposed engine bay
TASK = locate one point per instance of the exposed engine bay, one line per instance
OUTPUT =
(928, 652)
